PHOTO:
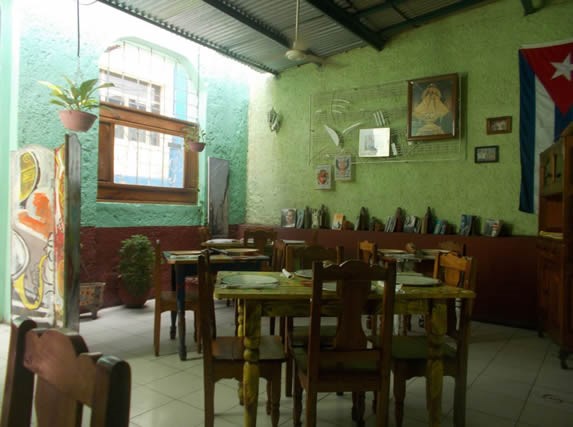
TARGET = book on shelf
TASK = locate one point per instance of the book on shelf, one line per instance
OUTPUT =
(466, 225)
(492, 227)
(337, 221)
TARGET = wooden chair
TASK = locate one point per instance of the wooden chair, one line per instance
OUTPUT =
(223, 356)
(67, 378)
(303, 257)
(457, 247)
(167, 301)
(204, 234)
(410, 353)
(368, 252)
(259, 238)
(348, 363)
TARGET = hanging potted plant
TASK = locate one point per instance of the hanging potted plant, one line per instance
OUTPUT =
(195, 138)
(77, 100)
(136, 258)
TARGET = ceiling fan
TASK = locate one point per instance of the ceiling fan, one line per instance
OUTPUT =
(298, 51)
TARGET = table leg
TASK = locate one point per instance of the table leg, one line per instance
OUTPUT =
(179, 286)
(435, 366)
(251, 374)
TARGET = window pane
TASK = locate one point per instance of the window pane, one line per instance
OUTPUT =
(143, 157)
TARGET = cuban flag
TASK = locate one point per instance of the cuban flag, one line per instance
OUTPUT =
(546, 108)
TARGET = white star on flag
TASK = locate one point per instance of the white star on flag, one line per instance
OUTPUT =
(563, 68)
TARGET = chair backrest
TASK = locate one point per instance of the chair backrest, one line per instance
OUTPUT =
(299, 257)
(368, 252)
(157, 270)
(457, 271)
(457, 247)
(350, 345)
(204, 234)
(279, 254)
(67, 377)
(207, 323)
(258, 238)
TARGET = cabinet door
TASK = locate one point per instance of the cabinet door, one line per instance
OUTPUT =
(550, 282)
(551, 164)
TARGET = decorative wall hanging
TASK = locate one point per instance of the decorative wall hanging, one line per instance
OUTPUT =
(487, 154)
(323, 177)
(498, 125)
(343, 167)
(274, 120)
(288, 217)
(338, 116)
(432, 108)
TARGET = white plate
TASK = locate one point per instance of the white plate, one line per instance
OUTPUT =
(238, 251)
(392, 251)
(249, 281)
(305, 274)
(413, 280)
(222, 241)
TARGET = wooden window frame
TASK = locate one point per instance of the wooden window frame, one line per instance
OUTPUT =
(108, 191)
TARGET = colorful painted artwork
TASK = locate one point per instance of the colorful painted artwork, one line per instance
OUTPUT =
(32, 266)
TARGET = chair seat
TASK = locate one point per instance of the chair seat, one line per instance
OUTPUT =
(416, 347)
(232, 348)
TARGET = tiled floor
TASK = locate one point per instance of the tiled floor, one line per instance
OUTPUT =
(514, 378)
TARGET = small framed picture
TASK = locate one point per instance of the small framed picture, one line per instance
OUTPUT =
(487, 154)
(288, 217)
(343, 168)
(374, 142)
(495, 125)
(323, 177)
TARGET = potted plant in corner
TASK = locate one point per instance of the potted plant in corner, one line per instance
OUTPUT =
(78, 100)
(136, 258)
(195, 138)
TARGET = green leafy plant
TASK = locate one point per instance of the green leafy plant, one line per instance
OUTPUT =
(136, 257)
(195, 134)
(74, 96)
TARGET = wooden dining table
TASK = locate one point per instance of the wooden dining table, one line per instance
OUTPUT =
(292, 298)
(183, 263)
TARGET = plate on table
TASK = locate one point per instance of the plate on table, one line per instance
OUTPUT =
(329, 286)
(305, 274)
(241, 251)
(435, 251)
(184, 253)
(222, 241)
(392, 251)
(249, 281)
(416, 280)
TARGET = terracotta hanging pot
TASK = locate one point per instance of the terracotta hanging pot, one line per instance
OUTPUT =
(78, 121)
(196, 146)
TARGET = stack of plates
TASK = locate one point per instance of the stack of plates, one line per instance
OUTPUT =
(416, 280)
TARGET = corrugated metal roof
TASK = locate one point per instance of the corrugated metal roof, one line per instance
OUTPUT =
(259, 32)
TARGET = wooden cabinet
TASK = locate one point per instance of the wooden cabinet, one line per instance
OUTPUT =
(554, 246)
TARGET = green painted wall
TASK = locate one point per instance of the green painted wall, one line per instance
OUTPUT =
(48, 51)
(482, 44)
(8, 104)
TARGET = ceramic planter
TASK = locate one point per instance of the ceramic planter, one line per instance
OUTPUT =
(78, 121)
(196, 146)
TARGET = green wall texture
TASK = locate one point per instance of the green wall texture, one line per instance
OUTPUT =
(481, 44)
(48, 52)
(8, 69)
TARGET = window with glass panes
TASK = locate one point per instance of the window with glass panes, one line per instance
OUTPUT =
(142, 157)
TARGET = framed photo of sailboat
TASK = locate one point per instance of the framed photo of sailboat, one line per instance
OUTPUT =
(433, 108)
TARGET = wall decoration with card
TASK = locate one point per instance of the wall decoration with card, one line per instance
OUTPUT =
(343, 167)
(323, 177)
(337, 119)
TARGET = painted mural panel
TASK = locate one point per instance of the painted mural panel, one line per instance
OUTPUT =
(32, 227)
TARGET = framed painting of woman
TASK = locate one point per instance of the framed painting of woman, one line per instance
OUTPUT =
(433, 108)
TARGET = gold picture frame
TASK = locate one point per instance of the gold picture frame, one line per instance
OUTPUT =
(433, 108)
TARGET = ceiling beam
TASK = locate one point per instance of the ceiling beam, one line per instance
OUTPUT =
(379, 8)
(117, 4)
(240, 15)
(348, 21)
(438, 13)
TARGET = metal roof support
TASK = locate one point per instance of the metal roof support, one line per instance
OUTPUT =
(348, 21)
